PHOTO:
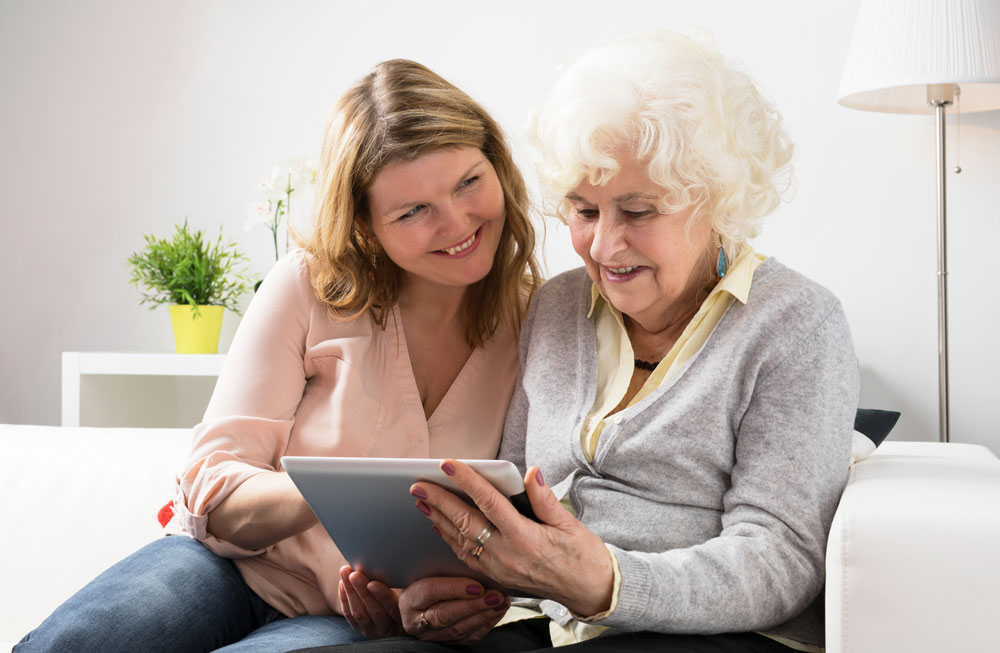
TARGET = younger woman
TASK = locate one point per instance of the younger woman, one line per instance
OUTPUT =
(393, 333)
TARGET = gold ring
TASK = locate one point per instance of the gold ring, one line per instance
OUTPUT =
(424, 624)
(484, 535)
(478, 551)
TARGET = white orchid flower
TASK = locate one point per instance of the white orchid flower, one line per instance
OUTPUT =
(289, 177)
(257, 213)
(303, 174)
(275, 186)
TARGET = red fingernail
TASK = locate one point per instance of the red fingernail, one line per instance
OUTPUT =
(474, 590)
(419, 493)
(424, 508)
(492, 599)
(538, 477)
(448, 468)
(436, 530)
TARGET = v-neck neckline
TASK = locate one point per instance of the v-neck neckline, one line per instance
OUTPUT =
(446, 409)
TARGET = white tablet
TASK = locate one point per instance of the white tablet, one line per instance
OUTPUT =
(366, 507)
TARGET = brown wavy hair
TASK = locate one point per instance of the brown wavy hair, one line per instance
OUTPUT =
(398, 112)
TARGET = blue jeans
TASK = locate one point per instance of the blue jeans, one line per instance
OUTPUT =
(176, 595)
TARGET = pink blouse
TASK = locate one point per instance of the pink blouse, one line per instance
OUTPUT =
(296, 382)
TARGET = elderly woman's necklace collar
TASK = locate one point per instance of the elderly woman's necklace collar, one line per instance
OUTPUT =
(655, 346)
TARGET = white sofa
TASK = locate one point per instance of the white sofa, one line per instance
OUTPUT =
(913, 559)
(73, 501)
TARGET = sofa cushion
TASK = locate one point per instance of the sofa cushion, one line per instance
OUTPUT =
(875, 424)
(871, 426)
(76, 500)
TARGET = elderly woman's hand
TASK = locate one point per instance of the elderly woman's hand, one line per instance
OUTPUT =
(557, 559)
(455, 610)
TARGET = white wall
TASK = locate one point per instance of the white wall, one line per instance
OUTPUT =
(120, 118)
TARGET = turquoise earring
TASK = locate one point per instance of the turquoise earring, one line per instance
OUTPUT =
(722, 264)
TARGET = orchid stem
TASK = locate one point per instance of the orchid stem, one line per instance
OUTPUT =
(288, 209)
(274, 229)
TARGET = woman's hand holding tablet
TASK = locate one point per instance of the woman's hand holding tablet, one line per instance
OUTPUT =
(366, 507)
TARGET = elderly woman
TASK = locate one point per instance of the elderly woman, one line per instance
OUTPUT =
(685, 404)
(392, 333)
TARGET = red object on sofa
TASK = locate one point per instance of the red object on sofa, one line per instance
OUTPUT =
(166, 514)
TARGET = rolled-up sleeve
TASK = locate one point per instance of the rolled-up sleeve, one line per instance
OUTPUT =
(247, 424)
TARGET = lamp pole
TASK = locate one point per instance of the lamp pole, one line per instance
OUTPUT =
(940, 96)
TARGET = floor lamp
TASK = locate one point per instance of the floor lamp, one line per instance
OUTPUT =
(920, 56)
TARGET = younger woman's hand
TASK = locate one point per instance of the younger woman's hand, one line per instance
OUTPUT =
(370, 607)
(453, 610)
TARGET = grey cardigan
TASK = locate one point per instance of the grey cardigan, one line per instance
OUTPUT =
(717, 490)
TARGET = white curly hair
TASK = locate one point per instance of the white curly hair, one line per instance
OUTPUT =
(710, 140)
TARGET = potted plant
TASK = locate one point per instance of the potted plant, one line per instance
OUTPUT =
(198, 278)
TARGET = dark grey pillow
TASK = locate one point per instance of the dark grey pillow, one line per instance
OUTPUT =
(875, 424)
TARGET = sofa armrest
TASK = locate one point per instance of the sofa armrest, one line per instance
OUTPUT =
(913, 560)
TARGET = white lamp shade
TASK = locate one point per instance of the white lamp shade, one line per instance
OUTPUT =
(901, 46)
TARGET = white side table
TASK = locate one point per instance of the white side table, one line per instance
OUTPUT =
(76, 364)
